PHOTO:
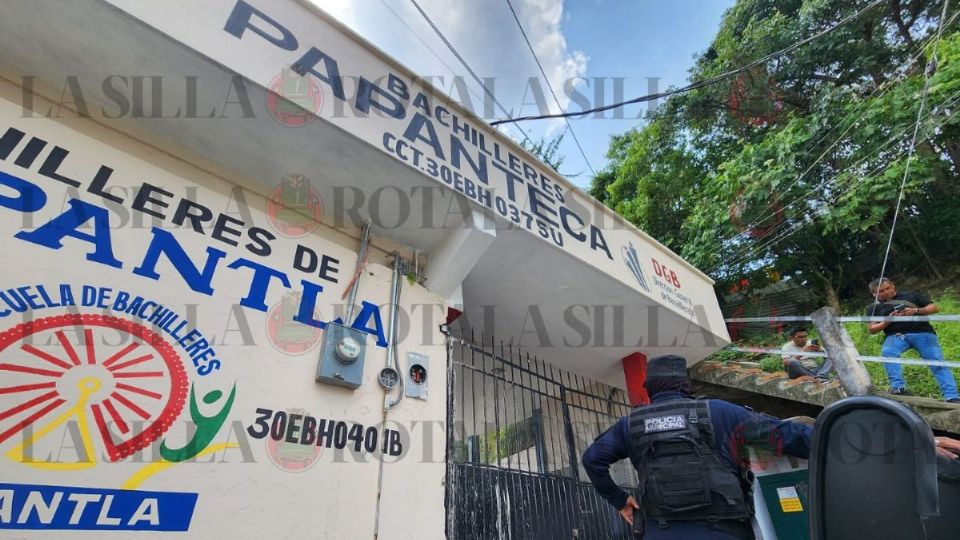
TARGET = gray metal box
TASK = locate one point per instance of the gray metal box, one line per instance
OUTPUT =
(335, 366)
(416, 376)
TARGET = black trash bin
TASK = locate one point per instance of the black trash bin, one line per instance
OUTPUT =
(947, 525)
(873, 473)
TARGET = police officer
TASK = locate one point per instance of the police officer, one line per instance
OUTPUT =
(687, 453)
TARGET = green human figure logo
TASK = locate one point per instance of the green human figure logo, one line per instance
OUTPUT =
(207, 426)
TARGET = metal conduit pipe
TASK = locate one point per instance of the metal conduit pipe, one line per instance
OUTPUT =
(392, 357)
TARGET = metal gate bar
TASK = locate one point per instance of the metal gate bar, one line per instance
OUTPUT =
(516, 427)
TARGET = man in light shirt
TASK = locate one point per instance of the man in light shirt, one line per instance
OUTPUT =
(799, 365)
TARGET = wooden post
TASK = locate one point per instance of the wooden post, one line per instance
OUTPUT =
(840, 348)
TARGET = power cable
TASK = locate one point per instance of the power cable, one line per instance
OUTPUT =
(857, 118)
(550, 87)
(465, 65)
(903, 69)
(927, 73)
(823, 184)
(698, 84)
(750, 251)
(776, 234)
(949, 102)
(432, 51)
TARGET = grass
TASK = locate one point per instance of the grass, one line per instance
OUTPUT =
(920, 381)
(771, 364)
(765, 340)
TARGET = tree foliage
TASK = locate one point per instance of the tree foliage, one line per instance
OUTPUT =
(547, 151)
(793, 168)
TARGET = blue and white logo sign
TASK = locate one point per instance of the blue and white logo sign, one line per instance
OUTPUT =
(633, 263)
(664, 423)
(93, 509)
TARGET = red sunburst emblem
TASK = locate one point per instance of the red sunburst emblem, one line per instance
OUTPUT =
(136, 387)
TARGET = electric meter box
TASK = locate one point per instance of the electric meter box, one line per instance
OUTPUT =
(341, 356)
(415, 382)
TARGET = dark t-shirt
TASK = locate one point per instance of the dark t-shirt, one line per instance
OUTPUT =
(907, 299)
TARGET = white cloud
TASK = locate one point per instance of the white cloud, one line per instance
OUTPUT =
(487, 37)
(541, 19)
(341, 9)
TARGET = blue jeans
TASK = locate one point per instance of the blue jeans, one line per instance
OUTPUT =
(928, 346)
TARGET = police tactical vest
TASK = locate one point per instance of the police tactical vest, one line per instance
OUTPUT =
(681, 474)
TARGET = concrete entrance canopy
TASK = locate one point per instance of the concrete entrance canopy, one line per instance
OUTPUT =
(541, 263)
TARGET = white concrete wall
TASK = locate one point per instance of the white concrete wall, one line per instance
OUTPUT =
(241, 490)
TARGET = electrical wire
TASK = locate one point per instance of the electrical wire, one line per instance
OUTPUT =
(751, 251)
(787, 227)
(436, 55)
(854, 117)
(880, 359)
(927, 73)
(855, 114)
(951, 100)
(550, 87)
(473, 74)
(904, 72)
(851, 120)
(698, 84)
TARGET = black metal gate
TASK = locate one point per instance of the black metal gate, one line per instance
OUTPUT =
(516, 428)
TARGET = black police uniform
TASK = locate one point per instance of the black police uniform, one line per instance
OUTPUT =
(688, 454)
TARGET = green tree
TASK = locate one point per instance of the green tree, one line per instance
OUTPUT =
(547, 151)
(655, 179)
(793, 168)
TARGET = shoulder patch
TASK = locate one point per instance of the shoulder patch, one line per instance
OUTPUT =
(664, 423)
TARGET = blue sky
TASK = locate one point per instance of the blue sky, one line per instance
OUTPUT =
(584, 43)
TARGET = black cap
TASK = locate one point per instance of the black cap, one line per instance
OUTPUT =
(669, 365)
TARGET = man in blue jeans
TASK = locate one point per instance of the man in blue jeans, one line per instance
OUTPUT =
(901, 336)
